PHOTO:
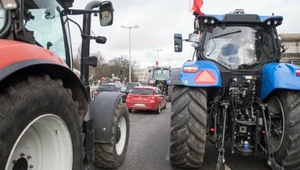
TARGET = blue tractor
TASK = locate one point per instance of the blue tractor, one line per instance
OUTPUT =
(160, 76)
(235, 89)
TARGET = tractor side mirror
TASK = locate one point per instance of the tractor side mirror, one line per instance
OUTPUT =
(106, 11)
(178, 42)
(92, 61)
(284, 48)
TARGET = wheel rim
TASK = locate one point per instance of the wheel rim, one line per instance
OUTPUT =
(277, 125)
(121, 136)
(45, 144)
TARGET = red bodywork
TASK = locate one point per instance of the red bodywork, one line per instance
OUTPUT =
(12, 52)
(145, 102)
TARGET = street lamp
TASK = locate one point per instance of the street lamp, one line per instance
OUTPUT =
(158, 50)
(130, 27)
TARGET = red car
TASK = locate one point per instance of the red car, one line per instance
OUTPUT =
(146, 98)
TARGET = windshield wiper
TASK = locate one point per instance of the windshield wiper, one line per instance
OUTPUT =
(222, 35)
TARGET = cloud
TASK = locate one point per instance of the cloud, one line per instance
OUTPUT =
(159, 20)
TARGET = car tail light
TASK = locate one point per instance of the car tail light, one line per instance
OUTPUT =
(96, 93)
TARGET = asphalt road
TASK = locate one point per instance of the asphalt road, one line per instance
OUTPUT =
(149, 141)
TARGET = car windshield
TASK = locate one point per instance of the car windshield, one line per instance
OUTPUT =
(131, 85)
(106, 88)
(142, 91)
(120, 86)
(46, 23)
(161, 74)
(237, 46)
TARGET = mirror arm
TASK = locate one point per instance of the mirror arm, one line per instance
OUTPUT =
(80, 11)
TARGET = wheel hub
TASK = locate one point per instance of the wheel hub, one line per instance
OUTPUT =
(118, 135)
(21, 164)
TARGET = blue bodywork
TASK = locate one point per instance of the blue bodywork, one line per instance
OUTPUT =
(279, 76)
(260, 18)
(187, 79)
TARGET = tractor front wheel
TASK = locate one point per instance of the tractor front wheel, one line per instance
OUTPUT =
(284, 110)
(39, 125)
(111, 155)
(188, 127)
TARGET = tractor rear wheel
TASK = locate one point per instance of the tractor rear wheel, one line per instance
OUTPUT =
(170, 90)
(111, 155)
(284, 109)
(40, 126)
(188, 127)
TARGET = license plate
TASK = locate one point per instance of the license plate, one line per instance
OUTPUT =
(140, 105)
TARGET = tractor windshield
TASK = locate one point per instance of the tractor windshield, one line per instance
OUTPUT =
(46, 23)
(161, 74)
(2, 18)
(237, 46)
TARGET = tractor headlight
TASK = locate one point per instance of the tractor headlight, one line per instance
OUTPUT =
(205, 20)
(269, 22)
(9, 4)
(275, 22)
(212, 21)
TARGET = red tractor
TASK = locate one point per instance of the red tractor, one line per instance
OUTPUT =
(47, 119)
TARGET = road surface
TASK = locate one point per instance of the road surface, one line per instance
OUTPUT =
(149, 141)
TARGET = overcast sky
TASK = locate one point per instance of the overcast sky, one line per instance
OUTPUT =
(160, 19)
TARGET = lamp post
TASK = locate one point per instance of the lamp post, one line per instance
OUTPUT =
(130, 27)
(158, 50)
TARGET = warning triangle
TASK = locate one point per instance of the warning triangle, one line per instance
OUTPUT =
(205, 77)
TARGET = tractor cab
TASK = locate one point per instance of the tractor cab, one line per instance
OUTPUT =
(161, 74)
(237, 40)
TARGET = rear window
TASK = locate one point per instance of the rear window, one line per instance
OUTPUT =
(142, 91)
(106, 88)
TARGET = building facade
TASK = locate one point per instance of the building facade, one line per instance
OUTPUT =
(292, 54)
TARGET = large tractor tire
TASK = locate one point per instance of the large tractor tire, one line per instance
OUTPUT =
(111, 155)
(188, 127)
(284, 108)
(170, 90)
(40, 126)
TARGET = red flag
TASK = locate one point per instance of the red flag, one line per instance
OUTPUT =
(197, 7)
(156, 62)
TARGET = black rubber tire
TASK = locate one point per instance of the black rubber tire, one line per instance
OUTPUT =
(158, 110)
(170, 90)
(165, 106)
(23, 99)
(188, 127)
(288, 154)
(105, 153)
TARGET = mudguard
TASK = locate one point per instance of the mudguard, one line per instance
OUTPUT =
(18, 57)
(179, 77)
(102, 111)
(279, 76)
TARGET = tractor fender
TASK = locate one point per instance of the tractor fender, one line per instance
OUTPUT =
(30, 59)
(102, 111)
(208, 69)
(279, 76)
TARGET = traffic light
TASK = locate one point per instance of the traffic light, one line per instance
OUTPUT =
(121, 74)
